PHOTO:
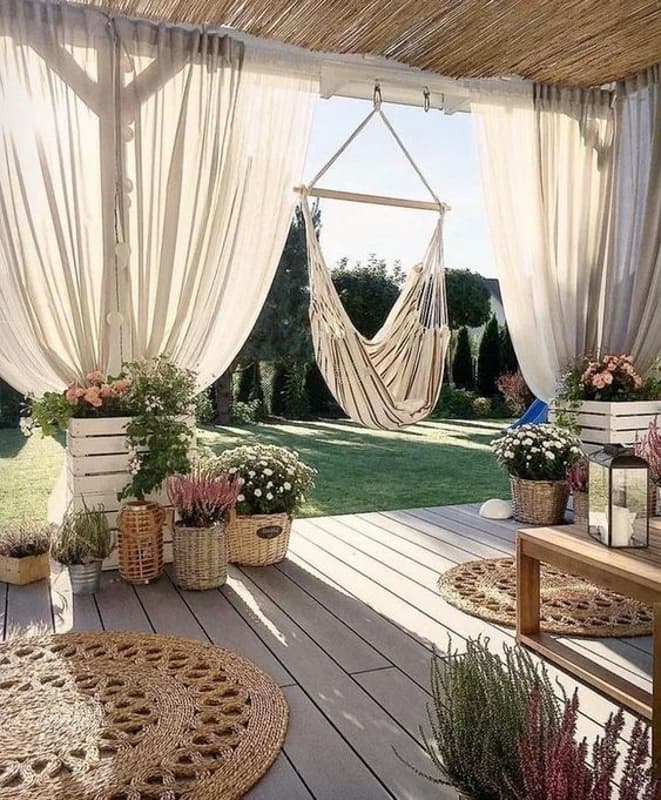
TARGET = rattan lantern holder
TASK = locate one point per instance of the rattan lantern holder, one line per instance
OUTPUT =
(140, 541)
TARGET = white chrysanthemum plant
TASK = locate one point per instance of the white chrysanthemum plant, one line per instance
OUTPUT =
(275, 480)
(537, 452)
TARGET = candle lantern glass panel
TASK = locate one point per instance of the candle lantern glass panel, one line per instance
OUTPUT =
(619, 498)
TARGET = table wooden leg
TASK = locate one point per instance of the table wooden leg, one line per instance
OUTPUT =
(656, 688)
(527, 592)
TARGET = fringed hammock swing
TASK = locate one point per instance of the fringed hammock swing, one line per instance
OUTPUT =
(394, 379)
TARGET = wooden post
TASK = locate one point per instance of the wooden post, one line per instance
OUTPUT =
(527, 592)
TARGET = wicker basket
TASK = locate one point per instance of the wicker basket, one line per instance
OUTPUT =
(539, 502)
(581, 506)
(200, 556)
(258, 540)
(140, 541)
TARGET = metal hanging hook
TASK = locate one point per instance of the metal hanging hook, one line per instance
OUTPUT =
(426, 97)
(377, 97)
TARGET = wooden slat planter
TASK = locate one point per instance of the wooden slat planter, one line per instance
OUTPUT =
(610, 423)
(97, 461)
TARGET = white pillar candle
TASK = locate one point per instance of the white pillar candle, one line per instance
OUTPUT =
(622, 526)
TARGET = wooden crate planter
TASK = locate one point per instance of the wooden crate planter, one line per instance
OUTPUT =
(28, 569)
(610, 423)
(97, 464)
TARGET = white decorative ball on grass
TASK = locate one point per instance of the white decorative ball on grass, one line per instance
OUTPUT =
(496, 509)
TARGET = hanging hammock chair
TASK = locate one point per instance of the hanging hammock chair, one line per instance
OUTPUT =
(394, 379)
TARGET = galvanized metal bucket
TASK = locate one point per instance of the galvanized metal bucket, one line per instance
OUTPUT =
(85, 578)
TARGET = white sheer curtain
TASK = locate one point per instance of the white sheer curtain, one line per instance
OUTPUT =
(546, 177)
(145, 190)
(573, 195)
(632, 276)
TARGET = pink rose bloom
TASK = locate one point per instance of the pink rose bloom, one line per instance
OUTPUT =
(120, 386)
(598, 381)
(612, 366)
(92, 396)
(106, 391)
(96, 376)
(72, 394)
(607, 378)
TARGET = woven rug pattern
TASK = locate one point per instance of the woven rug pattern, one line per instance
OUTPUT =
(127, 716)
(570, 605)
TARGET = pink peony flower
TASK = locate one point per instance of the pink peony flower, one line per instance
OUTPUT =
(72, 394)
(598, 381)
(120, 386)
(607, 378)
(106, 390)
(96, 376)
(93, 397)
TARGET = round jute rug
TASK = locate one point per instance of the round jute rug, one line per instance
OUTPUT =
(128, 716)
(486, 588)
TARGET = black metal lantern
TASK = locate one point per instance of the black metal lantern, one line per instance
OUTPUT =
(618, 488)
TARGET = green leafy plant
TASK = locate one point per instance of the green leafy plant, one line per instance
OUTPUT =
(454, 404)
(537, 452)
(482, 407)
(83, 537)
(24, 539)
(478, 714)
(275, 479)
(160, 395)
(247, 413)
(488, 359)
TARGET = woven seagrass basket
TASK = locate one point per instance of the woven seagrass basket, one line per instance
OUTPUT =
(200, 556)
(539, 502)
(140, 541)
(258, 540)
(581, 506)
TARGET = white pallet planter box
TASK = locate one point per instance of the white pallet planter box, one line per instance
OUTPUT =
(603, 423)
(97, 468)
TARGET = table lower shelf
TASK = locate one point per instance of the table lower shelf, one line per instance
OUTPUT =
(599, 678)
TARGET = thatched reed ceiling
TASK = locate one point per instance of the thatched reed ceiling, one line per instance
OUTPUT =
(572, 42)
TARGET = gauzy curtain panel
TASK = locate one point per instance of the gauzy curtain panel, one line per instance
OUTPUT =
(546, 180)
(145, 191)
(572, 184)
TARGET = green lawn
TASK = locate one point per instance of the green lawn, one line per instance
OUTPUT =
(434, 463)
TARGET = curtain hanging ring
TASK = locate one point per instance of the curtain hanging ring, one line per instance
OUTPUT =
(377, 97)
(426, 98)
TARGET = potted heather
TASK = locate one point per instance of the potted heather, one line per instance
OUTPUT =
(202, 499)
(24, 553)
(577, 478)
(649, 448)
(275, 481)
(606, 400)
(536, 458)
(82, 542)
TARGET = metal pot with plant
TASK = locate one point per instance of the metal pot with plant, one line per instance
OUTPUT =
(202, 500)
(24, 553)
(82, 542)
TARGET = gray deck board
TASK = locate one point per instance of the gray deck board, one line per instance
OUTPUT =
(345, 625)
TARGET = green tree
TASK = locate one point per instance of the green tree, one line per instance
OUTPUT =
(281, 336)
(508, 359)
(468, 298)
(368, 292)
(488, 359)
(462, 363)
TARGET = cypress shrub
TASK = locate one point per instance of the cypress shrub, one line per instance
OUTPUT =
(509, 361)
(488, 359)
(462, 363)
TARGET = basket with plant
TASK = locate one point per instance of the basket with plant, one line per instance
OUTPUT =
(649, 448)
(202, 500)
(82, 542)
(536, 458)
(24, 553)
(275, 481)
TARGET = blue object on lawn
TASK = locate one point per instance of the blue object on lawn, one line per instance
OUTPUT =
(536, 413)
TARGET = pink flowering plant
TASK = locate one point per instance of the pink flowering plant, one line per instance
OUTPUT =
(537, 452)
(202, 498)
(99, 395)
(577, 476)
(649, 448)
(611, 378)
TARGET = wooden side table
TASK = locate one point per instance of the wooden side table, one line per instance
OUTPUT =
(633, 573)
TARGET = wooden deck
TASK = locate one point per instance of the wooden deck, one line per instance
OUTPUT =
(345, 626)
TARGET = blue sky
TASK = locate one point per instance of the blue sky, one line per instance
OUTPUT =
(444, 148)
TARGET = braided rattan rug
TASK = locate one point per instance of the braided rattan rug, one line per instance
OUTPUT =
(127, 716)
(570, 605)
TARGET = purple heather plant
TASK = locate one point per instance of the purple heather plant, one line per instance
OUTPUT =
(202, 498)
(554, 764)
